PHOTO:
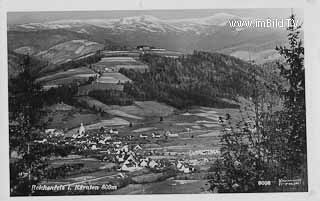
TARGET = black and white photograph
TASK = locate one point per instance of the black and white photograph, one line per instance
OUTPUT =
(156, 101)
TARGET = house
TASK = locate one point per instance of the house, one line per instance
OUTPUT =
(220, 120)
(120, 158)
(49, 131)
(152, 164)
(144, 47)
(130, 165)
(117, 143)
(57, 133)
(41, 141)
(104, 141)
(184, 168)
(137, 148)
(156, 135)
(144, 162)
(107, 138)
(114, 131)
(179, 164)
(120, 176)
(131, 153)
(227, 129)
(144, 136)
(94, 147)
(125, 148)
(169, 134)
(76, 135)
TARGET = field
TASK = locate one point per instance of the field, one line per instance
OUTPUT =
(165, 53)
(113, 78)
(79, 72)
(68, 120)
(69, 50)
(68, 76)
(108, 64)
(138, 110)
(108, 53)
(170, 186)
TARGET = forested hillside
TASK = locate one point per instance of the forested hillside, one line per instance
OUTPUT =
(201, 78)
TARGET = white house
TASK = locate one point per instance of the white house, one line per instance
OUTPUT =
(183, 168)
(41, 141)
(156, 135)
(49, 131)
(172, 134)
(120, 158)
(130, 165)
(144, 162)
(125, 148)
(114, 131)
(152, 164)
(137, 148)
(179, 165)
(144, 136)
(94, 147)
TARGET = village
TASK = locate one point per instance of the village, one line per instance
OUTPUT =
(128, 152)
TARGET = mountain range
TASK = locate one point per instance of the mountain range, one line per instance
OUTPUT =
(212, 33)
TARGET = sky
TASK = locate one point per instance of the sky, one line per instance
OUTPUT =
(28, 17)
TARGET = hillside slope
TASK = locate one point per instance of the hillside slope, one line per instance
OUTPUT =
(201, 78)
(69, 50)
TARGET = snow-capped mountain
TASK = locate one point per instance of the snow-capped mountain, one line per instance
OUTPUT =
(146, 23)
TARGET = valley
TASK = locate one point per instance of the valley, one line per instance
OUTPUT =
(143, 105)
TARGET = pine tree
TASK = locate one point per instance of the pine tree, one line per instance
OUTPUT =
(294, 121)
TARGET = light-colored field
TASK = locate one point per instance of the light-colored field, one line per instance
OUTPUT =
(211, 134)
(113, 78)
(138, 110)
(117, 59)
(164, 187)
(112, 110)
(108, 64)
(148, 109)
(120, 53)
(69, 50)
(143, 129)
(166, 53)
(76, 73)
(26, 50)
